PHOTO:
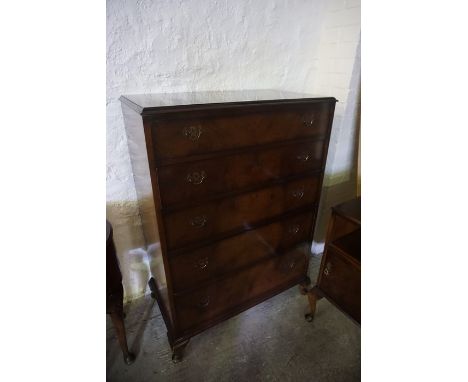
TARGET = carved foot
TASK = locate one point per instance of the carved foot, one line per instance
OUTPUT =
(129, 358)
(312, 297)
(178, 351)
(153, 287)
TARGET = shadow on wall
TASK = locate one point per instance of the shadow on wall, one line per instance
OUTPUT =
(135, 263)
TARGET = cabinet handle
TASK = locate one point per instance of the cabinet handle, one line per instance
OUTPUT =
(202, 263)
(199, 221)
(196, 177)
(294, 229)
(303, 157)
(327, 269)
(298, 194)
(204, 302)
(192, 132)
(308, 123)
(292, 264)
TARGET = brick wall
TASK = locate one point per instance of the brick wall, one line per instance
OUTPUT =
(339, 74)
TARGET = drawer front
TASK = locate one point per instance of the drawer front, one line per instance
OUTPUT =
(211, 301)
(194, 181)
(184, 136)
(341, 281)
(235, 213)
(238, 251)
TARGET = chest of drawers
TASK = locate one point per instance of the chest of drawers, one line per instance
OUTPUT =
(228, 183)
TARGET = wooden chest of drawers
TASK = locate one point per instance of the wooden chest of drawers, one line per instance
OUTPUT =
(229, 184)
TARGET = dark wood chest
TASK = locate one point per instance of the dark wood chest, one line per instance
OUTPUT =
(228, 183)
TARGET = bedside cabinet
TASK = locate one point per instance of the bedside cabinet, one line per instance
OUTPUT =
(228, 183)
(339, 278)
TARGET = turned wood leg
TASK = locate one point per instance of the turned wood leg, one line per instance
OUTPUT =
(117, 321)
(153, 287)
(178, 351)
(304, 286)
(312, 297)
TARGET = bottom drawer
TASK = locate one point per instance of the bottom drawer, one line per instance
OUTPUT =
(209, 302)
(341, 281)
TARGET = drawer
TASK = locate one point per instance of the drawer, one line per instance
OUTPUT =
(238, 213)
(202, 133)
(209, 302)
(340, 279)
(194, 181)
(190, 269)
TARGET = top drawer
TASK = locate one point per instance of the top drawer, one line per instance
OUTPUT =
(198, 133)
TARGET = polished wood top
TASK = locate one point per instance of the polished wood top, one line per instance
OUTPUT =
(146, 104)
(350, 210)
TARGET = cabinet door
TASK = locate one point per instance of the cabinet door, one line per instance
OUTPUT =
(340, 279)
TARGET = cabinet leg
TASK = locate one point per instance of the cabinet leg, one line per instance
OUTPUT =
(304, 286)
(178, 351)
(153, 287)
(312, 297)
(117, 321)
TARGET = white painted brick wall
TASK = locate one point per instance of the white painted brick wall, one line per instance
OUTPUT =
(188, 45)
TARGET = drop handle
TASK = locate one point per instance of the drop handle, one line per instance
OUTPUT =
(204, 302)
(196, 177)
(292, 264)
(303, 157)
(202, 263)
(199, 221)
(192, 132)
(327, 269)
(298, 194)
(294, 229)
(308, 123)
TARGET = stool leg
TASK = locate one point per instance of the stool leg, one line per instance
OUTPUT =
(117, 321)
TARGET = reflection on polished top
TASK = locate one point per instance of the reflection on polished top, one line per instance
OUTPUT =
(145, 103)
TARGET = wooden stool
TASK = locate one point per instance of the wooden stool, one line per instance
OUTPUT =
(114, 294)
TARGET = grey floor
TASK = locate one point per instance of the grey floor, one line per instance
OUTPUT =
(270, 342)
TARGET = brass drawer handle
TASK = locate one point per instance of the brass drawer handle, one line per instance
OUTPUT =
(294, 229)
(303, 157)
(196, 177)
(204, 302)
(199, 221)
(192, 132)
(327, 269)
(202, 263)
(308, 123)
(299, 193)
(292, 264)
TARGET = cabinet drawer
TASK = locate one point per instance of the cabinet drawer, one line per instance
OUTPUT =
(211, 301)
(203, 133)
(239, 212)
(194, 181)
(230, 254)
(341, 281)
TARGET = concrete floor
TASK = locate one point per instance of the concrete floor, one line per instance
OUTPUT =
(270, 342)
